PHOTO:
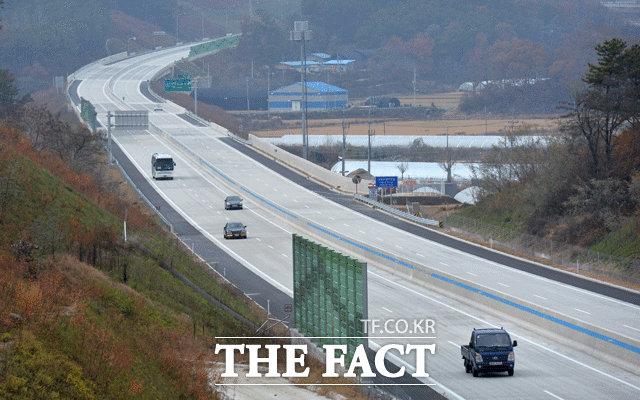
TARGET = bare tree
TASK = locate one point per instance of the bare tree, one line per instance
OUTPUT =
(517, 159)
(420, 151)
(402, 167)
(50, 132)
(593, 127)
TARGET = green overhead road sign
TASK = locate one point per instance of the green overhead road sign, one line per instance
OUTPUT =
(88, 113)
(178, 85)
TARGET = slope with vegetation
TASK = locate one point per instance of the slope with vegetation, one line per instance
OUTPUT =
(84, 314)
(582, 186)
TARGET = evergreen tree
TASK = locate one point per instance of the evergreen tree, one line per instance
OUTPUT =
(10, 104)
(610, 101)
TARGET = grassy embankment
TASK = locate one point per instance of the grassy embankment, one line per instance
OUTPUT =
(506, 213)
(82, 313)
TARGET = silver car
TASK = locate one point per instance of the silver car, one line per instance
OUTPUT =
(232, 202)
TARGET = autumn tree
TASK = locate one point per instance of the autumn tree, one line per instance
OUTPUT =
(627, 154)
(421, 48)
(570, 58)
(398, 58)
(49, 132)
(512, 57)
(262, 40)
(476, 58)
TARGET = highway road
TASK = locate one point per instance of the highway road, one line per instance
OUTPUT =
(278, 203)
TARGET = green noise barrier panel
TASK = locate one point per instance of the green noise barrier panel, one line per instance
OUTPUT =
(329, 295)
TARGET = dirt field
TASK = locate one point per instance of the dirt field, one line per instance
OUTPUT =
(417, 128)
(456, 122)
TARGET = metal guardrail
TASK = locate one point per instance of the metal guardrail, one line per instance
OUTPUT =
(397, 212)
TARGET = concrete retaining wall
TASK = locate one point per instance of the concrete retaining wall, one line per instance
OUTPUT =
(307, 168)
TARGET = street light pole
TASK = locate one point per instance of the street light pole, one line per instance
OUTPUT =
(369, 147)
(157, 33)
(344, 143)
(195, 104)
(301, 34)
(128, 40)
(248, 104)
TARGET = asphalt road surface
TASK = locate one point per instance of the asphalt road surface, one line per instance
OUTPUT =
(211, 167)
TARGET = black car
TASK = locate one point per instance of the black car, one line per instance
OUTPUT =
(235, 230)
(232, 202)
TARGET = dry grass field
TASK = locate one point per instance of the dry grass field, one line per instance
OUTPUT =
(453, 122)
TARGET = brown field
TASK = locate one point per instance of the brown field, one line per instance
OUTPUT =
(409, 128)
(456, 122)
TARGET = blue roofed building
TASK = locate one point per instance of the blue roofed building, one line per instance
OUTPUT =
(339, 65)
(312, 66)
(318, 57)
(320, 96)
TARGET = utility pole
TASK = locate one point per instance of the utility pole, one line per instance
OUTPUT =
(344, 142)
(486, 129)
(109, 138)
(195, 103)
(414, 86)
(369, 147)
(302, 34)
(384, 124)
(448, 158)
(248, 106)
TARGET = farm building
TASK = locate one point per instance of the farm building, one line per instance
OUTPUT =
(320, 96)
(318, 57)
(339, 65)
(312, 66)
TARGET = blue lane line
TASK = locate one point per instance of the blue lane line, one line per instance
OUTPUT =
(269, 203)
(215, 170)
(542, 315)
(462, 285)
(395, 260)
(494, 297)
(230, 180)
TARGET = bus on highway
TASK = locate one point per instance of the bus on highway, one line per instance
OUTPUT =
(162, 166)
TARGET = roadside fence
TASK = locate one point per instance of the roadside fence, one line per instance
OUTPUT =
(625, 269)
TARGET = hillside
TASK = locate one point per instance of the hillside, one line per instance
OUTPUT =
(84, 314)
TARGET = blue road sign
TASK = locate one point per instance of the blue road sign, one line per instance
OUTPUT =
(386, 181)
